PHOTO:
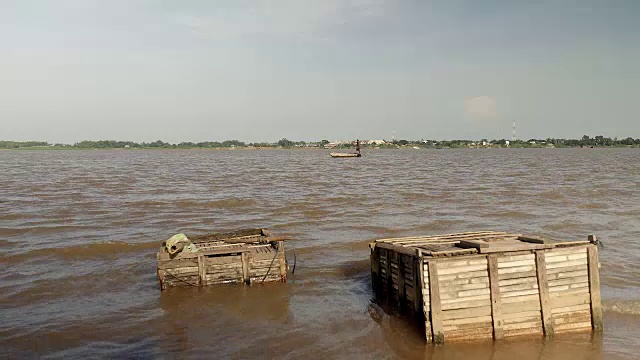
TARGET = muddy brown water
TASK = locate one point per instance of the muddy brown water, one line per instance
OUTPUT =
(79, 231)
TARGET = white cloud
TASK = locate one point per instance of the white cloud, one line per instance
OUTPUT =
(481, 107)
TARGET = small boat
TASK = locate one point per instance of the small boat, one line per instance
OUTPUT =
(345, 155)
(348, 155)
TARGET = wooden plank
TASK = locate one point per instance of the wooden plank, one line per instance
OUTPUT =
(436, 307)
(466, 304)
(571, 300)
(202, 270)
(532, 280)
(468, 260)
(282, 260)
(245, 267)
(172, 264)
(517, 269)
(396, 248)
(569, 281)
(583, 326)
(594, 288)
(467, 320)
(426, 306)
(519, 287)
(496, 303)
(517, 263)
(466, 313)
(509, 257)
(543, 289)
(567, 263)
(472, 244)
(468, 268)
(526, 325)
(571, 309)
(517, 275)
(519, 299)
(521, 332)
(517, 316)
(470, 334)
(416, 285)
(401, 282)
(388, 275)
(531, 305)
(464, 275)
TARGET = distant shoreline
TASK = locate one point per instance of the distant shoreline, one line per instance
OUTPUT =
(71, 148)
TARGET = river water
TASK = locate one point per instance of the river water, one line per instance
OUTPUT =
(79, 231)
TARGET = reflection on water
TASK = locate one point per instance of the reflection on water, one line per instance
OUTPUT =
(79, 231)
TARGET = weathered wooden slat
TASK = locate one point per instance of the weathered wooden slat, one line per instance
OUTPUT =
(594, 286)
(568, 281)
(173, 264)
(468, 268)
(569, 292)
(396, 248)
(526, 325)
(202, 270)
(567, 264)
(451, 286)
(474, 333)
(436, 306)
(423, 270)
(545, 300)
(510, 257)
(511, 294)
(519, 316)
(574, 317)
(466, 313)
(518, 287)
(466, 304)
(401, 281)
(570, 287)
(519, 263)
(517, 275)
(570, 300)
(465, 275)
(570, 309)
(465, 261)
(567, 251)
(532, 280)
(517, 269)
(468, 321)
(517, 299)
(182, 270)
(496, 301)
(583, 326)
(245, 267)
(521, 332)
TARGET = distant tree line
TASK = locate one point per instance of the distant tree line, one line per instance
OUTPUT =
(585, 141)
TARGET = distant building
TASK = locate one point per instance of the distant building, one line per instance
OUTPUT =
(374, 142)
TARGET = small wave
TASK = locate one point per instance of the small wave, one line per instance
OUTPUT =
(627, 307)
(83, 251)
(227, 203)
(552, 195)
(590, 206)
(508, 215)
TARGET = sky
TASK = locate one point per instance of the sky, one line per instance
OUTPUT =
(262, 70)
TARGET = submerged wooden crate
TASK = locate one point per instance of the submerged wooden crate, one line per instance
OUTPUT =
(490, 284)
(245, 256)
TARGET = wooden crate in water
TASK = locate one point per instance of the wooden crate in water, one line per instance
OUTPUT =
(490, 284)
(242, 257)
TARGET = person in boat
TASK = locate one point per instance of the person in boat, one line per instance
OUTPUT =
(358, 147)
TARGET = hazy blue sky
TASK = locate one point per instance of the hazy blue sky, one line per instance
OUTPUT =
(317, 69)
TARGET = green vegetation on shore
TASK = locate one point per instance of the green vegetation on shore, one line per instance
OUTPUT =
(585, 141)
